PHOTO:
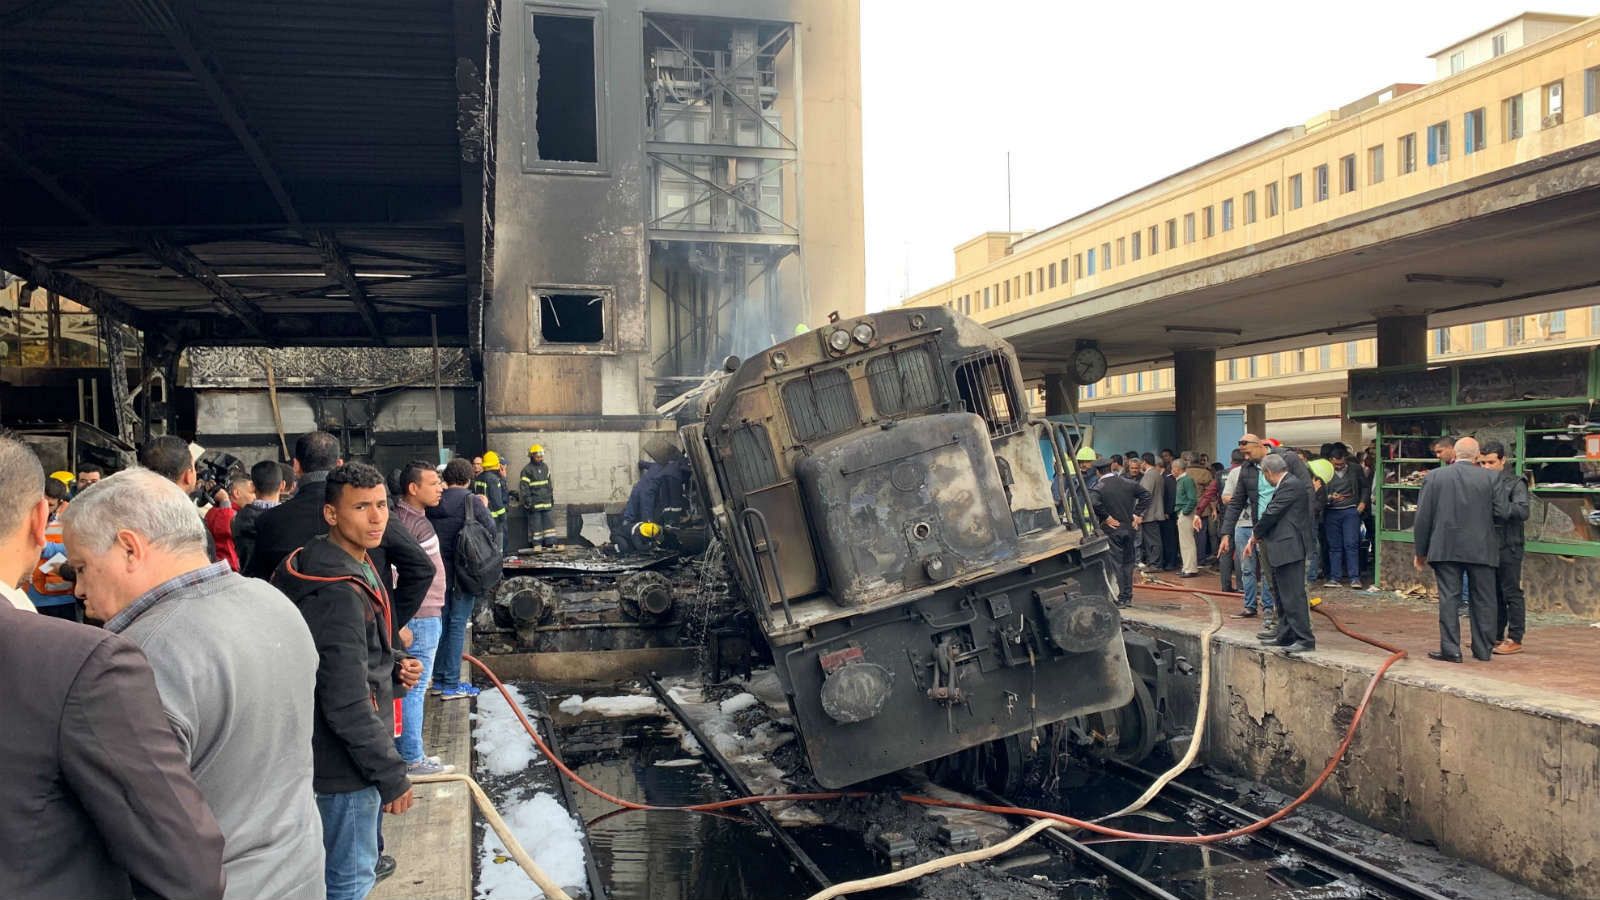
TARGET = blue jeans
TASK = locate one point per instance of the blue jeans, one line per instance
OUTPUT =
(424, 644)
(1253, 586)
(350, 840)
(1343, 530)
(457, 619)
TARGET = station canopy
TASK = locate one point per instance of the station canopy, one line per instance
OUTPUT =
(215, 172)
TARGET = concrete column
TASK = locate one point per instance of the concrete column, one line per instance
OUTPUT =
(1060, 394)
(1402, 340)
(1349, 431)
(1255, 419)
(1194, 391)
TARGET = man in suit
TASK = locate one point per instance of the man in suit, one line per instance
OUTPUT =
(1283, 530)
(1455, 533)
(96, 798)
(1120, 502)
(1253, 493)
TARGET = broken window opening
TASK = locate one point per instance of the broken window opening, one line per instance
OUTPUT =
(571, 318)
(566, 115)
(987, 388)
(820, 404)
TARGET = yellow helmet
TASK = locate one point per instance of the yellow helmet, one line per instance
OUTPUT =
(649, 530)
(536, 448)
(63, 476)
(491, 460)
(1086, 454)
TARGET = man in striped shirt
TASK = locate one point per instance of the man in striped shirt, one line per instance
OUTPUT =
(421, 488)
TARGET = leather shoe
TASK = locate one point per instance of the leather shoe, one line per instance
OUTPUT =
(1508, 647)
(1434, 654)
(1246, 614)
(1274, 640)
(1300, 647)
(385, 867)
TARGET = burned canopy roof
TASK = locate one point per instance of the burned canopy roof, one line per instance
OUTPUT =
(295, 172)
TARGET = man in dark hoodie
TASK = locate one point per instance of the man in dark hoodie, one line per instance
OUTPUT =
(356, 770)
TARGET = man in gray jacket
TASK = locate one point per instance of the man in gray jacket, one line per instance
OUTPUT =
(233, 661)
(1455, 534)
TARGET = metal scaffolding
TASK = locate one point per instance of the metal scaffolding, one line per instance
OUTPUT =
(724, 186)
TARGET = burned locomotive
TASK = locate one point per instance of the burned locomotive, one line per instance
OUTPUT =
(887, 511)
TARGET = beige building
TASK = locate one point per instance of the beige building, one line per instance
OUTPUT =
(1525, 90)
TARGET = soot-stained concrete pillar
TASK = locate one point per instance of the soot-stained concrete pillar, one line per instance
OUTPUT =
(1255, 419)
(1402, 340)
(1060, 394)
(1194, 393)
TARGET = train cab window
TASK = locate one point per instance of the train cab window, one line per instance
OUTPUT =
(820, 404)
(904, 381)
(986, 388)
(751, 467)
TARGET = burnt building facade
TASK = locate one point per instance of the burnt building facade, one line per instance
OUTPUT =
(658, 206)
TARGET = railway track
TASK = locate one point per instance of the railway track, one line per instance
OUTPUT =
(1274, 862)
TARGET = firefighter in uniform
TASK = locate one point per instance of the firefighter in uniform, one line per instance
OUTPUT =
(539, 499)
(491, 483)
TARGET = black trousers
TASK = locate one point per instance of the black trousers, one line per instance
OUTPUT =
(1169, 542)
(1122, 557)
(1480, 609)
(1511, 609)
(1150, 532)
(1294, 610)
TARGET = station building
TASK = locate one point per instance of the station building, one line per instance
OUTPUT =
(1523, 93)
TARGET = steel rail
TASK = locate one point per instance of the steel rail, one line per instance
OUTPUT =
(801, 859)
(1354, 865)
(591, 866)
(1080, 850)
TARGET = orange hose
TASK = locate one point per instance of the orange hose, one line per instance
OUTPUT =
(1395, 655)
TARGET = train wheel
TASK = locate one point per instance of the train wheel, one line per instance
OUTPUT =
(1126, 734)
(996, 765)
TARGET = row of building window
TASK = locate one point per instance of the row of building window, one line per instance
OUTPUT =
(1550, 326)
(1149, 241)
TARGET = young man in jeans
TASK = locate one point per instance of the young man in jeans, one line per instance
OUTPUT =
(448, 517)
(356, 772)
(421, 490)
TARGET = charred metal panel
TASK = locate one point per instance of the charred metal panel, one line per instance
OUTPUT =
(325, 367)
(907, 506)
(960, 671)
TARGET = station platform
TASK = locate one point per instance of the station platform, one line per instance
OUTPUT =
(1497, 763)
(433, 842)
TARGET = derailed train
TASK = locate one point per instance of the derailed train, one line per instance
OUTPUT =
(924, 584)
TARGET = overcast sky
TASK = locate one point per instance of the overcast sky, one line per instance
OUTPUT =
(1093, 101)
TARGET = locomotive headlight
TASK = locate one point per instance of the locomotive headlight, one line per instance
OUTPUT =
(839, 340)
(863, 333)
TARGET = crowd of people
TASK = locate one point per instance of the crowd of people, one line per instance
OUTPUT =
(1278, 519)
(249, 701)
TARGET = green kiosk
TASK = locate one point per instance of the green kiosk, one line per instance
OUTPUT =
(1545, 408)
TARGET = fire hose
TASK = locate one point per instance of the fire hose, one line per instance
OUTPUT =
(1047, 819)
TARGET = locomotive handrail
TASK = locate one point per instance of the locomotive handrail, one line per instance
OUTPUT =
(770, 549)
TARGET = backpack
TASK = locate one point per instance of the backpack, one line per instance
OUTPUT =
(478, 559)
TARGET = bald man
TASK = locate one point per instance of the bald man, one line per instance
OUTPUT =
(1455, 534)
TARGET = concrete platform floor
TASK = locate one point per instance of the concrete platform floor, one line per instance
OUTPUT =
(432, 842)
(1559, 655)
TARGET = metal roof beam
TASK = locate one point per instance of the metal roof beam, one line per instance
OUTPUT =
(175, 20)
(338, 266)
(17, 262)
(185, 263)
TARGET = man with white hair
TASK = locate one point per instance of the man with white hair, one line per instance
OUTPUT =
(233, 661)
(96, 800)
(1455, 534)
